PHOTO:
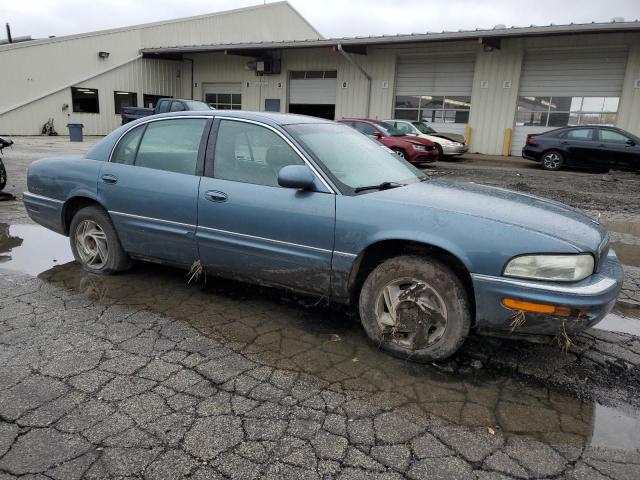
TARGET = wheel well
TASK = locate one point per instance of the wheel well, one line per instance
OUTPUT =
(71, 207)
(379, 252)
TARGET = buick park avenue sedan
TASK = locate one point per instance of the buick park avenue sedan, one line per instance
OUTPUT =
(317, 207)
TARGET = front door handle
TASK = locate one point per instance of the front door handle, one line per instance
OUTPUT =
(216, 196)
(108, 178)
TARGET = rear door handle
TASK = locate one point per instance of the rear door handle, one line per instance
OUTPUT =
(108, 178)
(216, 196)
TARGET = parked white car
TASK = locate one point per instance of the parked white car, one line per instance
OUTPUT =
(448, 144)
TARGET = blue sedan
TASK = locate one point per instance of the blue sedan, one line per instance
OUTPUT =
(316, 207)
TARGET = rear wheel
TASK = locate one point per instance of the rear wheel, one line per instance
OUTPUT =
(95, 243)
(440, 152)
(552, 160)
(3, 176)
(415, 308)
(399, 152)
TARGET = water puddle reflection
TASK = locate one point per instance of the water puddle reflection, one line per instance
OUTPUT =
(327, 347)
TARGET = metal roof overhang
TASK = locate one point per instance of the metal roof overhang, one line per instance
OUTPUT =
(359, 44)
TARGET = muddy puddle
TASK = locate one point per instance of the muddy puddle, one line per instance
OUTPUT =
(328, 348)
(625, 241)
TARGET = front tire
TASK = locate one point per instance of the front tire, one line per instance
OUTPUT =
(95, 243)
(552, 160)
(400, 153)
(415, 308)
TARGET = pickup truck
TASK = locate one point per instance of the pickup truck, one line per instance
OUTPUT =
(164, 105)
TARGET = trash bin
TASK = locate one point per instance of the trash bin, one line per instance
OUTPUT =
(75, 132)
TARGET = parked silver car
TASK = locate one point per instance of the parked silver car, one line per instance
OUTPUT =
(448, 144)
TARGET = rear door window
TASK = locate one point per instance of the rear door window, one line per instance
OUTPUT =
(582, 134)
(177, 107)
(365, 128)
(172, 145)
(127, 147)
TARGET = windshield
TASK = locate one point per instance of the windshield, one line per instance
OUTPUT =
(423, 127)
(390, 129)
(353, 159)
(195, 105)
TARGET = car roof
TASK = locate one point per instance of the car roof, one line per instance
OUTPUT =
(265, 117)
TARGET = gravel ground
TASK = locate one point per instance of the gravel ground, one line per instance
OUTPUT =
(143, 376)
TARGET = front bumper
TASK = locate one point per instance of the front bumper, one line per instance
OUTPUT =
(592, 299)
(453, 150)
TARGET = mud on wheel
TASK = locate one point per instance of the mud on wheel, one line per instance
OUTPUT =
(415, 308)
(95, 243)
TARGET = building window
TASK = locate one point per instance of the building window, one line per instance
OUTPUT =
(151, 100)
(434, 109)
(124, 99)
(85, 100)
(224, 101)
(566, 111)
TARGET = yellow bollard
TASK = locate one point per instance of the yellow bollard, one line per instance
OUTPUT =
(467, 136)
(506, 147)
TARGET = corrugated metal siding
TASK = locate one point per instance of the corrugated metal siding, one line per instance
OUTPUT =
(629, 112)
(315, 91)
(435, 75)
(46, 69)
(493, 107)
(158, 77)
(588, 72)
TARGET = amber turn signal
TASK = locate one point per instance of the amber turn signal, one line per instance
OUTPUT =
(536, 307)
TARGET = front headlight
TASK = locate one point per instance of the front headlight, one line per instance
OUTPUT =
(418, 147)
(559, 268)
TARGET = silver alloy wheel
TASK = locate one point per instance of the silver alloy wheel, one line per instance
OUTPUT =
(92, 245)
(400, 153)
(551, 160)
(411, 313)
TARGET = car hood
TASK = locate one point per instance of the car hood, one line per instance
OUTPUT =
(415, 140)
(504, 206)
(454, 137)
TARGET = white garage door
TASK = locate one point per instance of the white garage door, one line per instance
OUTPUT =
(313, 87)
(568, 87)
(436, 88)
(223, 95)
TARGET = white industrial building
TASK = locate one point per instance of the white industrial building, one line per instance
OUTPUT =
(495, 86)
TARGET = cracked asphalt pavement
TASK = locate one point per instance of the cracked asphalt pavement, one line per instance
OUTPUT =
(143, 376)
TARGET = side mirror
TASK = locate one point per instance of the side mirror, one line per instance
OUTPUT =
(630, 142)
(377, 135)
(296, 176)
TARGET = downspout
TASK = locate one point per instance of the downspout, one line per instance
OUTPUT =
(191, 60)
(363, 71)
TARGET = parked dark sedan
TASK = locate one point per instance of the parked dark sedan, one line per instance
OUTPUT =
(315, 206)
(593, 147)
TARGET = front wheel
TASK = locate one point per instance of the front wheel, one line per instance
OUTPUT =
(399, 152)
(3, 176)
(95, 243)
(415, 308)
(552, 160)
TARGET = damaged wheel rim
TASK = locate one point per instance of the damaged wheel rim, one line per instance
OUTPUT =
(410, 313)
(91, 245)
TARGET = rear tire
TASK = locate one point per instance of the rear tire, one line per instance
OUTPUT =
(3, 176)
(440, 152)
(95, 243)
(415, 308)
(552, 160)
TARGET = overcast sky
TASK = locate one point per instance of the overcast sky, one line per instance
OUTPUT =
(333, 18)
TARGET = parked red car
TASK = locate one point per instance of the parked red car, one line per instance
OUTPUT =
(411, 148)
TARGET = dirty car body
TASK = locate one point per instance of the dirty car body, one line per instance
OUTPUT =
(276, 199)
